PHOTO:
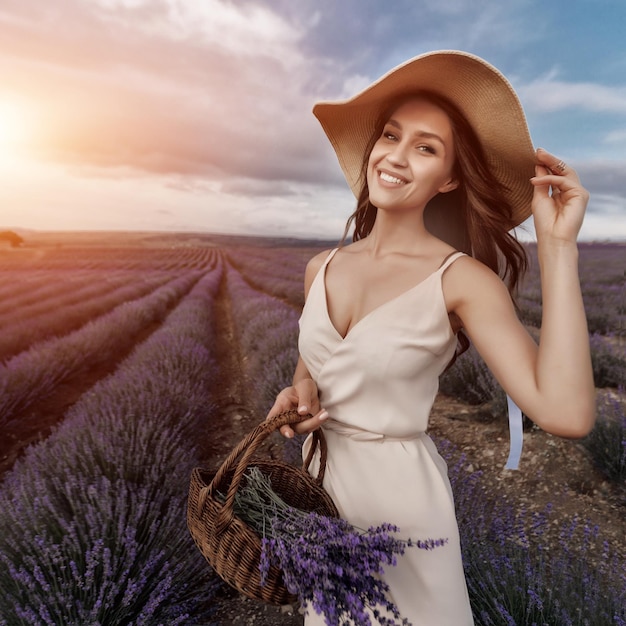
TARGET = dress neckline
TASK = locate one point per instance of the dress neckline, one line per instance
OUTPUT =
(444, 265)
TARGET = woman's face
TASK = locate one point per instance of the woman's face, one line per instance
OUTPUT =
(413, 158)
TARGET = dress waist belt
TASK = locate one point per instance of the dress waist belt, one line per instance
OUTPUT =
(359, 434)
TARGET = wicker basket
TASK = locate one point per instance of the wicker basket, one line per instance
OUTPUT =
(231, 547)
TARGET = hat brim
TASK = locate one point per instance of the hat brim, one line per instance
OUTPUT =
(480, 92)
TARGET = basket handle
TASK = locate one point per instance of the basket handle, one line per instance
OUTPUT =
(246, 449)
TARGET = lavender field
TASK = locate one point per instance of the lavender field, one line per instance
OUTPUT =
(127, 360)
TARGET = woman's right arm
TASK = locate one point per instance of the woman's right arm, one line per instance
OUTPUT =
(302, 394)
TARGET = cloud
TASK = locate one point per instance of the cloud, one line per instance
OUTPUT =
(604, 178)
(248, 27)
(209, 89)
(606, 212)
(207, 103)
(603, 226)
(255, 188)
(366, 38)
(137, 85)
(616, 136)
(550, 95)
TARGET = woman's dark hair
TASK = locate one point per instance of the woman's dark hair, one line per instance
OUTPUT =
(475, 218)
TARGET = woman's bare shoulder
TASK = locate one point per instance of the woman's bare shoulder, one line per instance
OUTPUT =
(468, 279)
(313, 267)
(317, 261)
(466, 266)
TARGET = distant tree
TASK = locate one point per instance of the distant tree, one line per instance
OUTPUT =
(13, 238)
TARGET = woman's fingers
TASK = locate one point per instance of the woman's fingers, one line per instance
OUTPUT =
(302, 396)
(553, 174)
(307, 403)
(555, 167)
(287, 399)
(559, 199)
(306, 426)
(308, 399)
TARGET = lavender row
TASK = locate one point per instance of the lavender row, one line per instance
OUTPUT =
(279, 271)
(19, 289)
(61, 290)
(608, 359)
(471, 381)
(276, 271)
(32, 375)
(62, 315)
(607, 441)
(93, 518)
(110, 258)
(267, 329)
(288, 263)
(28, 284)
(602, 279)
(525, 567)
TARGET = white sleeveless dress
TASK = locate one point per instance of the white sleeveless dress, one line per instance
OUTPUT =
(378, 385)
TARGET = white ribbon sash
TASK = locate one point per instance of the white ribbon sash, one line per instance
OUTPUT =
(516, 434)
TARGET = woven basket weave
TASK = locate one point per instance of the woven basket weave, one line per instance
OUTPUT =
(231, 547)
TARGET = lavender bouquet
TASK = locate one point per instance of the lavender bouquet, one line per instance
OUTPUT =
(329, 564)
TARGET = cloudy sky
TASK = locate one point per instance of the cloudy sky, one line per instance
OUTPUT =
(195, 115)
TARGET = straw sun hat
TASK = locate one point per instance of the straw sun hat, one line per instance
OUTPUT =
(480, 92)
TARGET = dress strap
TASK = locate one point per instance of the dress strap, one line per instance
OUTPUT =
(331, 254)
(449, 260)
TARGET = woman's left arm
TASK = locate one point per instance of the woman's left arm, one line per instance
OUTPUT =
(553, 382)
(564, 352)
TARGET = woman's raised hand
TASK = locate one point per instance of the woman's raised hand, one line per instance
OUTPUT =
(558, 214)
(302, 395)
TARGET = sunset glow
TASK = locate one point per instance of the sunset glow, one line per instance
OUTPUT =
(14, 127)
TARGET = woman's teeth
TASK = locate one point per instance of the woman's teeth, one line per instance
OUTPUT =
(388, 178)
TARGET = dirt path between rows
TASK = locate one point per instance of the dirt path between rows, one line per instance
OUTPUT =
(233, 419)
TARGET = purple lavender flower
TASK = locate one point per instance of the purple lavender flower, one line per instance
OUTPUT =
(331, 566)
